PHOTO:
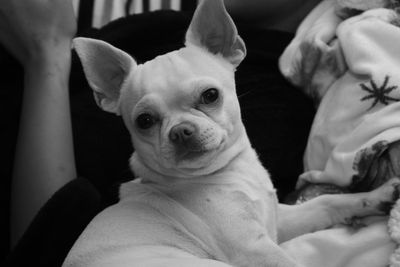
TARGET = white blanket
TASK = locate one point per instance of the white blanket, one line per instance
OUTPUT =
(351, 67)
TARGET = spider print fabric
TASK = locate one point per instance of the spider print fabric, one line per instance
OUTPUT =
(379, 94)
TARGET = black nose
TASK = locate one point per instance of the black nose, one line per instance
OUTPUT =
(181, 133)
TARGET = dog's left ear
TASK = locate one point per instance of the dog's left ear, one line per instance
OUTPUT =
(213, 29)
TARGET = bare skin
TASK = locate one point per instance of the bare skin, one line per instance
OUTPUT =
(39, 33)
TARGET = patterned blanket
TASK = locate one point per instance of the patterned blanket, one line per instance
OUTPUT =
(346, 56)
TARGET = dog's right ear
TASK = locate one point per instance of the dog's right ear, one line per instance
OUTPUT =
(106, 68)
(213, 29)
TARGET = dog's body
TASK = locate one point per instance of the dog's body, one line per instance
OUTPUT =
(203, 198)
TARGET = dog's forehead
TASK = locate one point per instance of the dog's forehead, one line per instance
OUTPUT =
(176, 68)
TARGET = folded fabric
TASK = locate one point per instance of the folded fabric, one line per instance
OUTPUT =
(353, 73)
(350, 67)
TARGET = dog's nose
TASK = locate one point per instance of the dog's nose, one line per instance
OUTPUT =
(181, 133)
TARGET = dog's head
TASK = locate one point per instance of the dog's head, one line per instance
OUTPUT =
(181, 108)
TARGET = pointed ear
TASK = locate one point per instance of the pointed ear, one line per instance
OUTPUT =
(106, 68)
(213, 29)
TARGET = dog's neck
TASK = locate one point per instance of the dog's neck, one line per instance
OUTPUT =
(243, 158)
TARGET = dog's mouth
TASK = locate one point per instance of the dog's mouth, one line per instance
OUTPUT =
(192, 162)
(198, 153)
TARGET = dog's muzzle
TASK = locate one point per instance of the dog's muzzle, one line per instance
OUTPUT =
(185, 136)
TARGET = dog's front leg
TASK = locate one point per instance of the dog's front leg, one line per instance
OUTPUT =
(327, 210)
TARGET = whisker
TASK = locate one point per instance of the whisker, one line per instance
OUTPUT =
(245, 93)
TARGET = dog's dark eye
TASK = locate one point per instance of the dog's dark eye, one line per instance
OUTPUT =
(145, 121)
(209, 96)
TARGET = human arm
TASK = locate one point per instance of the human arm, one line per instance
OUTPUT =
(38, 33)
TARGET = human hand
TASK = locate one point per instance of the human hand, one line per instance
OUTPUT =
(32, 27)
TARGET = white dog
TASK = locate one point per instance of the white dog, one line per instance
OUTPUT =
(202, 198)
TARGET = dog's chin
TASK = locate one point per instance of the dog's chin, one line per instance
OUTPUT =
(195, 160)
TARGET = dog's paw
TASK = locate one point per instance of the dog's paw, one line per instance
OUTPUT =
(355, 222)
(385, 195)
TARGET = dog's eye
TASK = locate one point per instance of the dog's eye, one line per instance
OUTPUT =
(145, 121)
(209, 96)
